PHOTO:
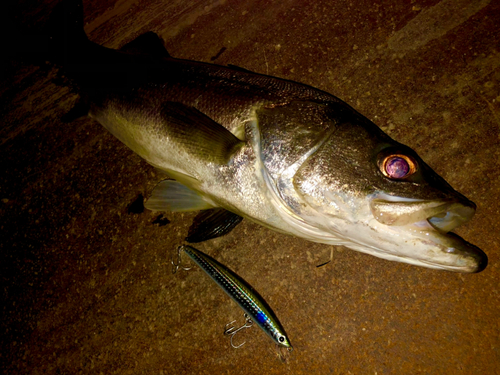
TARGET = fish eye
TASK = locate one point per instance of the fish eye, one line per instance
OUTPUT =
(398, 166)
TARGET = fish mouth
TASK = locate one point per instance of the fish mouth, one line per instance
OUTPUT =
(430, 222)
(443, 215)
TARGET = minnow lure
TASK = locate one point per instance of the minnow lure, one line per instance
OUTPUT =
(243, 294)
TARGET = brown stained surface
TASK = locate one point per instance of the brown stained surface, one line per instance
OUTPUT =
(87, 287)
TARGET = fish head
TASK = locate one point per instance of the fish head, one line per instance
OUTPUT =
(362, 189)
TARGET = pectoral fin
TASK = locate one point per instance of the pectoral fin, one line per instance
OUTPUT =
(212, 223)
(170, 195)
(198, 133)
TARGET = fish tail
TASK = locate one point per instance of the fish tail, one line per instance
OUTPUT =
(59, 40)
(85, 63)
(66, 38)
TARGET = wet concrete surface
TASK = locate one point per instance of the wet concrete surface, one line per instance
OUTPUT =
(86, 281)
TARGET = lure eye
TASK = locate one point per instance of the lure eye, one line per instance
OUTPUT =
(281, 339)
(398, 166)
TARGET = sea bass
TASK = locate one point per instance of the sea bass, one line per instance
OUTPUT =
(282, 154)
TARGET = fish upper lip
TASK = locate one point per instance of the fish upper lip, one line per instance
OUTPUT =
(443, 215)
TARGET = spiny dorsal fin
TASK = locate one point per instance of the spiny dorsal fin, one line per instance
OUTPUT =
(148, 43)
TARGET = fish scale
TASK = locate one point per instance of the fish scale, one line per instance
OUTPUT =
(242, 293)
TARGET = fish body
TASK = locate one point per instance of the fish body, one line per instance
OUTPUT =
(243, 294)
(283, 154)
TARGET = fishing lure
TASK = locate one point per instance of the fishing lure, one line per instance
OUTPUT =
(255, 308)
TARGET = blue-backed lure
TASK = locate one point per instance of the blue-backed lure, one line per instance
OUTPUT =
(254, 306)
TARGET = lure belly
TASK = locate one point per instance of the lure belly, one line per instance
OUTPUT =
(243, 294)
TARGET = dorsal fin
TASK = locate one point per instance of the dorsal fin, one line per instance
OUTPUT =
(148, 43)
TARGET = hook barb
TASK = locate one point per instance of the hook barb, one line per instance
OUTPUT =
(231, 330)
(177, 263)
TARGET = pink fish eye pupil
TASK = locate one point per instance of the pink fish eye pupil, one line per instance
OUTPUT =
(397, 167)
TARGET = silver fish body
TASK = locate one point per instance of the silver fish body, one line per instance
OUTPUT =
(283, 154)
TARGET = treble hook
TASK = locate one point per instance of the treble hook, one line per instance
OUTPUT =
(177, 264)
(232, 330)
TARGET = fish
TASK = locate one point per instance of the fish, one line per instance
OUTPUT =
(239, 144)
(243, 294)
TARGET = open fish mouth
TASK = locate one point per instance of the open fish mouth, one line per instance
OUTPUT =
(429, 223)
(442, 215)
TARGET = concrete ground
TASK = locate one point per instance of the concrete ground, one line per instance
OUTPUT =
(86, 282)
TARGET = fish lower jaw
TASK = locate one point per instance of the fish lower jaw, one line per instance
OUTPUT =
(418, 244)
(423, 245)
(461, 265)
